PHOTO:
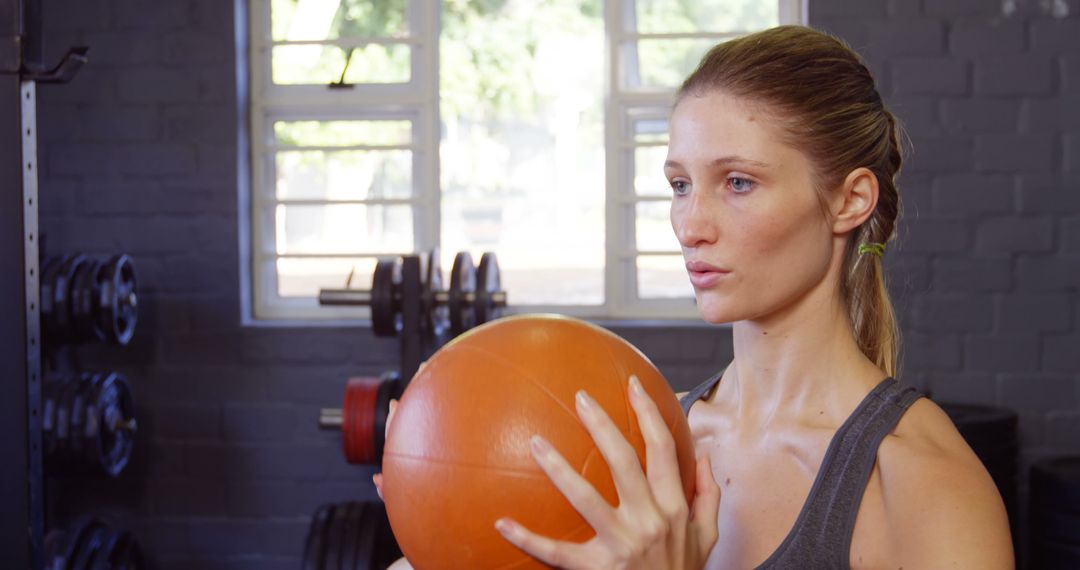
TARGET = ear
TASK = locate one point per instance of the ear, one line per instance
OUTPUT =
(854, 203)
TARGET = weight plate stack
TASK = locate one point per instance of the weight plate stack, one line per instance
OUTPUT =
(92, 544)
(84, 297)
(89, 424)
(1055, 513)
(61, 297)
(350, 536)
(462, 287)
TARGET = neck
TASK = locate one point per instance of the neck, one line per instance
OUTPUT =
(800, 363)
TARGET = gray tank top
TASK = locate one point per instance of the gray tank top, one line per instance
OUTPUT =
(821, 535)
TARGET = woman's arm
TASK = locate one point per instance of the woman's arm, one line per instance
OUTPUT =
(944, 510)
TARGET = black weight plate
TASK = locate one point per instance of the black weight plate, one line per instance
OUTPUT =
(54, 549)
(46, 303)
(63, 422)
(314, 554)
(384, 293)
(115, 438)
(350, 535)
(53, 388)
(1052, 525)
(436, 316)
(1055, 484)
(91, 545)
(83, 289)
(63, 283)
(365, 544)
(488, 282)
(335, 537)
(117, 306)
(79, 539)
(462, 283)
(77, 422)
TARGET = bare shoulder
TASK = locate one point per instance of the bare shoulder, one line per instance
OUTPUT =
(942, 506)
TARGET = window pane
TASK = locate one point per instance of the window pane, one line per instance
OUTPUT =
(662, 63)
(342, 133)
(680, 16)
(323, 64)
(650, 130)
(522, 153)
(304, 277)
(344, 228)
(298, 20)
(344, 175)
(649, 179)
(653, 225)
(663, 277)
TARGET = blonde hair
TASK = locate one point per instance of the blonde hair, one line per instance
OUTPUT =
(827, 106)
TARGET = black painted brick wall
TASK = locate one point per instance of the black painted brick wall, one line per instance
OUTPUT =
(139, 155)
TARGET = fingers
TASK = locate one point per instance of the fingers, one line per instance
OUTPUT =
(621, 458)
(581, 494)
(553, 552)
(377, 479)
(390, 415)
(660, 454)
(706, 505)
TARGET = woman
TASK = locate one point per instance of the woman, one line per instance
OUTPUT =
(782, 162)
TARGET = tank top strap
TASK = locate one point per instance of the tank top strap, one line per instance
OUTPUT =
(821, 535)
(699, 392)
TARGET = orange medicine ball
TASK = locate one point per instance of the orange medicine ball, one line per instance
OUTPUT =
(457, 454)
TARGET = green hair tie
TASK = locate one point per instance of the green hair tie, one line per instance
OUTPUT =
(877, 249)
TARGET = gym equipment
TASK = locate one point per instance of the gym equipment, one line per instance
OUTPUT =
(458, 457)
(992, 435)
(84, 299)
(89, 423)
(350, 536)
(92, 544)
(362, 419)
(461, 304)
(1054, 513)
(421, 313)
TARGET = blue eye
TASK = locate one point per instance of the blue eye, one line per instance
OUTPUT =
(680, 187)
(741, 185)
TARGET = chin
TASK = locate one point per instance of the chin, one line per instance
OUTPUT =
(717, 311)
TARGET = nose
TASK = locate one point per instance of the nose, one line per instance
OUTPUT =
(693, 220)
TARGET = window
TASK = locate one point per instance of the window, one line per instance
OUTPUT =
(532, 128)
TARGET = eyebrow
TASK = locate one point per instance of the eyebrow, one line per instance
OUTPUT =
(724, 161)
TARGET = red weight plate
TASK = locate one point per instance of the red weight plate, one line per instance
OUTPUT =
(358, 420)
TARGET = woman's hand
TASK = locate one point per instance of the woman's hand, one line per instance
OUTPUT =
(377, 478)
(652, 528)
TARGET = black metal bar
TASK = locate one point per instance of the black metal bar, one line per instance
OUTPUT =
(21, 482)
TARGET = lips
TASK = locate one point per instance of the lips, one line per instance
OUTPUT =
(703, 275)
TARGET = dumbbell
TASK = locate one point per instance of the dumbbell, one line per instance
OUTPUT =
(474, 297)
(362, 417)
(89, 423)
(86, 299)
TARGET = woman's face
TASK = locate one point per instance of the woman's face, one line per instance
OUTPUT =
(744, 209)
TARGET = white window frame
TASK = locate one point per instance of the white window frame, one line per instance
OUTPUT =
(418, 101)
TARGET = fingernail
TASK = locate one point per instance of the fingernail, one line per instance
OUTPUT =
(540, 446)
(584, 402)
(635, 386)
(506, 527)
